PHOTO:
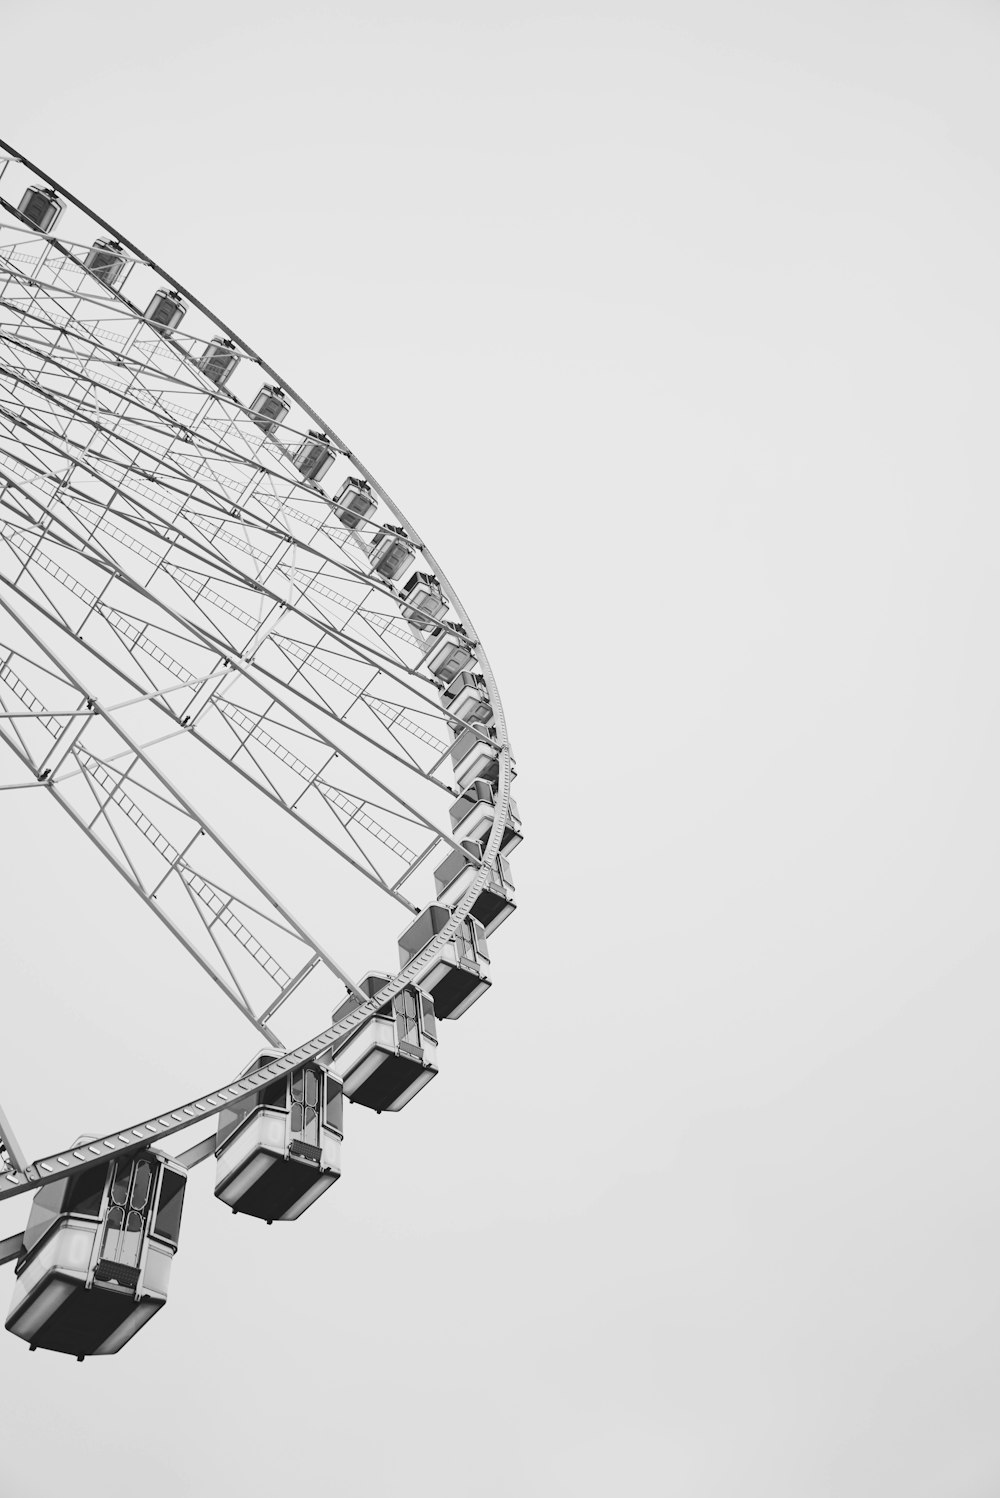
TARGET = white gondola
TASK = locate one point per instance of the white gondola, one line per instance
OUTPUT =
(40, 207)
(472, 817)
(466, 698)
(456, 974)
(354, 501)
(423, 603)
(495, 901)
(314, 456)
(165, 310)
(95, 1263)
(219, 360)
(278, 1150)
(105, 260)
(269, 408)
(390, 1057)
(391, 552)
(475, 757)
(450, 655)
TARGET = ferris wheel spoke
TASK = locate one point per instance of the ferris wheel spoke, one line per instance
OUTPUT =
(350, 809)
(105, 530)
(387, 725)
(306, 661)
(57, 305)
(314, 588)
(125, 382)
(392, 713)
(253, 589)
(245, 489)
(140, 636)
(235, 988)
(124, 476)
(103, 795)
(152, 854)
(252, 729)
(40, 367)
(11, 1153)
(298, 655)
(189, 421)
(108, 789)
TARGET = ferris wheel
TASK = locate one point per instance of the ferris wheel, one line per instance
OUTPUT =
(197, 574)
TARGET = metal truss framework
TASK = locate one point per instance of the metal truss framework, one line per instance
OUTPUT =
(153, 519)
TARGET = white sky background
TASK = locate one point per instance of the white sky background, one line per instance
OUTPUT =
(674, 328)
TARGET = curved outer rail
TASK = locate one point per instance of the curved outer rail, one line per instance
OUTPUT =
(161, 1125)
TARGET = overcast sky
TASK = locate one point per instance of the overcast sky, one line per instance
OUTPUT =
(674, 328)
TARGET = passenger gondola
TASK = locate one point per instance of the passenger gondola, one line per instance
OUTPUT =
(40, 207)
(354, 502)
(473, 812)
(97, 1252)
(450, 655)
(391, 552)
(165, 310)
(314, 456)
(278, 1150)
(455, 974)
(219, 360)
(105, 260)
(475, 756)
(389, 1058)
(494, 902)
(269, 408)
(423, 604)
(466, 698)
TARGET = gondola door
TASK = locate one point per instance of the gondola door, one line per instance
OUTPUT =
(127, 1218)
(407, 1022)
(304, 1122)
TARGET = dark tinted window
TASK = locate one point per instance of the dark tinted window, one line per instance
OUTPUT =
(45, 1208)
(405, 1005)
(305, 1087)
(464, 741)
(122, 1181)
(85, 1191)
(273, 1095)
(334, 1105)
(231, 1118)
(427, 925)
(141, 1183)
(168, 1212)
(344, 1009)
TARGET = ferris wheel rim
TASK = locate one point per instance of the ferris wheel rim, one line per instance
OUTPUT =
(15, 1181)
